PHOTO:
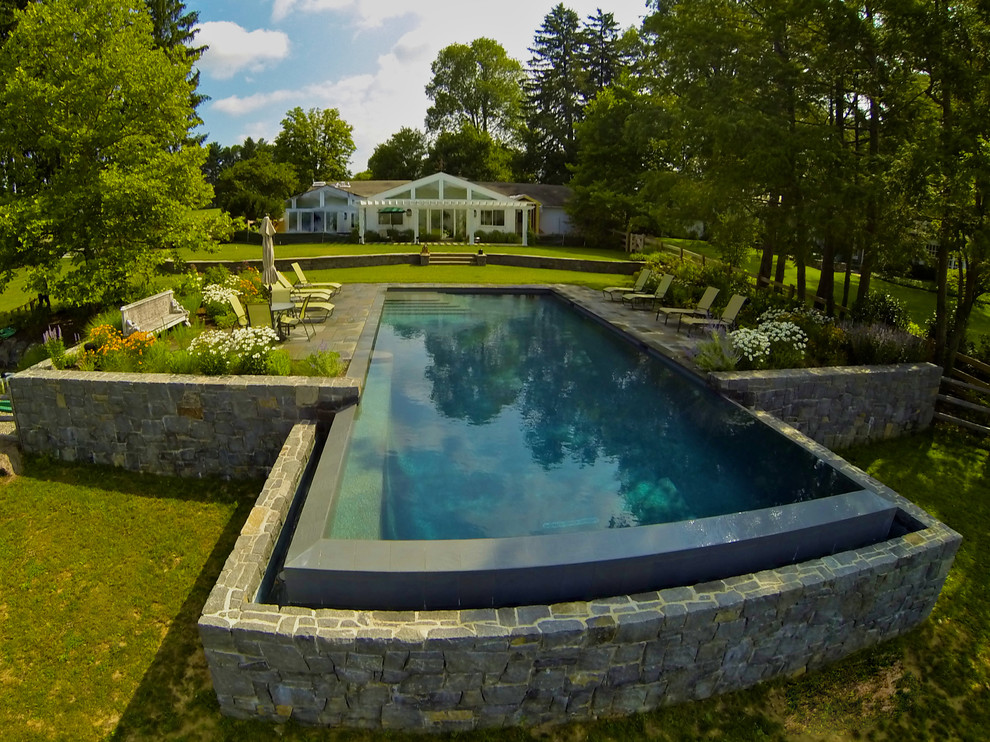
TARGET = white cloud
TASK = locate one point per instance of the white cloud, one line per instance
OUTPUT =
(233, 48)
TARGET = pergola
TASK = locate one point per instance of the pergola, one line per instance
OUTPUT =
(461, 210)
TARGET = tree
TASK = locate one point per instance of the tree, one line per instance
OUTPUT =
(317, 143)
(553, 91)
(604, 53)
(8, 9)
(476, 84)
(256, 186)
(472, 154)
(402, 157)
(94, 160)
(174, 28)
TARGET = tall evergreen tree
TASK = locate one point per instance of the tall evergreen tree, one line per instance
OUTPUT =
(601, 54)
(554, 90)
(175, 27)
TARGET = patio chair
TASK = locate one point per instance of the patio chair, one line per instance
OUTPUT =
(289, 321)
(611, 291)
(657, 296)
(300, 291)
(260, 315)
(701, 309)
(242, 319)
(303, 282)
(727, 319)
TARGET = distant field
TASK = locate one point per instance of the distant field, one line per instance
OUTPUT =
(16, 294)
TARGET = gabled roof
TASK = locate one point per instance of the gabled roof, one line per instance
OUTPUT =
(554, 196)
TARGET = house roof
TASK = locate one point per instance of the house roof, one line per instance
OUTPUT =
(554, 196)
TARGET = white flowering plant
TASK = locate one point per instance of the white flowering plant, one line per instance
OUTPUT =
(787, 343)
(211, 352)
(753, 347)
(250, 348)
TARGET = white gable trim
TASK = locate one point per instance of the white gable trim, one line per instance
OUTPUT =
(442, 179)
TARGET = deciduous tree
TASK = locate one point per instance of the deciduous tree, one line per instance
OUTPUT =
(317, 143)
(402, 157)
(95, 164)
(476, 84)
(256, 186)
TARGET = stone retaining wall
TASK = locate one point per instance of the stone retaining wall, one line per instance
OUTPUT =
(454, 670)
(231, 426)
(840, 407)
(331, 262)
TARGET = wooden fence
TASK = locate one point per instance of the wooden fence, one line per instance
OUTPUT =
(964, 399)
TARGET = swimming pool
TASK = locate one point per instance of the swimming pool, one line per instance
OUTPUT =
(509, 449)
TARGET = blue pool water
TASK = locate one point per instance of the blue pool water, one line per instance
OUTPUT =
(494, 416)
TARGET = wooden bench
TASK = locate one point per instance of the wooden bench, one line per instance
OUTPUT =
(153, 314)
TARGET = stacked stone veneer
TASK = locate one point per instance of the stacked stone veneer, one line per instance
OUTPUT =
(841, 406)
(449, 670)
(232, 426)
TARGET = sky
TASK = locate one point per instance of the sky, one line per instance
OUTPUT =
(369, 59)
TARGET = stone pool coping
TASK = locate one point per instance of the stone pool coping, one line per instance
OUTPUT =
(450, 670)
(464, 669)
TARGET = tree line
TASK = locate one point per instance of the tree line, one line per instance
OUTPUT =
(816, 131)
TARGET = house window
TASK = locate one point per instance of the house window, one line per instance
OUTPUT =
(492, 218)
(391, 218)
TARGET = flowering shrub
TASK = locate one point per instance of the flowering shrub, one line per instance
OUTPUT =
(879, 343)
(752, 345)
(109, 350)
(214, 293)
(248, 285)
(250, 348)
(801, 316)
(211, 352)
(787, 343)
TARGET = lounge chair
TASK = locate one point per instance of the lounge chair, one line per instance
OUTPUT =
(6, 406)
(318, 306)
(700, 309)
(727, 319)
(242, 318)
(301, 291)
(657, 296)
(611, 291)
(303, 282)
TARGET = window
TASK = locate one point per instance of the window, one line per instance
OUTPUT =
(391, 218)
(492, 218)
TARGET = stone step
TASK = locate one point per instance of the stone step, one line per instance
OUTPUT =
(452, 258)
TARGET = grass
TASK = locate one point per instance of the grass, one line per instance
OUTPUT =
(103, 574)
(16, 294)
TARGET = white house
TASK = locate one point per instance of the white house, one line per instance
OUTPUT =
(433, 206)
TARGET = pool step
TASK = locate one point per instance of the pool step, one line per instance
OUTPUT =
(451, 258)
(413, 303)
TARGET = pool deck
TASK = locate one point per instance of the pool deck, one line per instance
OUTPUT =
(356, 303)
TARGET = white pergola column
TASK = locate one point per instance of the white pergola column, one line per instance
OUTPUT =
(361, 225)
(525, 226)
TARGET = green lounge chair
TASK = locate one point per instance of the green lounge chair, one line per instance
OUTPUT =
(701, 309)
(657, 296)
(288, 321)
(298, 291)
(6, 406)
(611, 291)
(303, 282)
(727, 319)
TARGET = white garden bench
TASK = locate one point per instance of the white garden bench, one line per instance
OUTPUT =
(153, 314)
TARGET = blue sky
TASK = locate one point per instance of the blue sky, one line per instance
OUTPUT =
(368, 59)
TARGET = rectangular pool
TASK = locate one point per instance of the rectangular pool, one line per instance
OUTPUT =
(510, 449)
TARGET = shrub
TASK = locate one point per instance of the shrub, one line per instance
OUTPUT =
(883, 308)
(216, 299)
(879, 343)
(827, 345)
(325, 363)
(107, 318)
(752, 346)
(34, 354)
(250, 348)
(787, 343)
(217, 274)
(717, 354)
(211, 352)
(279, 363)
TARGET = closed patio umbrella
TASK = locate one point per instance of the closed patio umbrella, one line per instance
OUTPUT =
(268, 276)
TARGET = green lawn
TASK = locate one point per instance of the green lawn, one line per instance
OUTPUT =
(16, 294)
(103, 574)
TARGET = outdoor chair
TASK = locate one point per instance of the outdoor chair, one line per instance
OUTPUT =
(701, 309)
(305, 283)
(319, 309)
(656, 297)
(611, 291)
(289, 321)
(301, 291)
(727, 319)
(260, 315)
(242, 319)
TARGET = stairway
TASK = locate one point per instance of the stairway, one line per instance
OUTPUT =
(450, 258)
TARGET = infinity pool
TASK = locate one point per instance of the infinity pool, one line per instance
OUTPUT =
(502, 435)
